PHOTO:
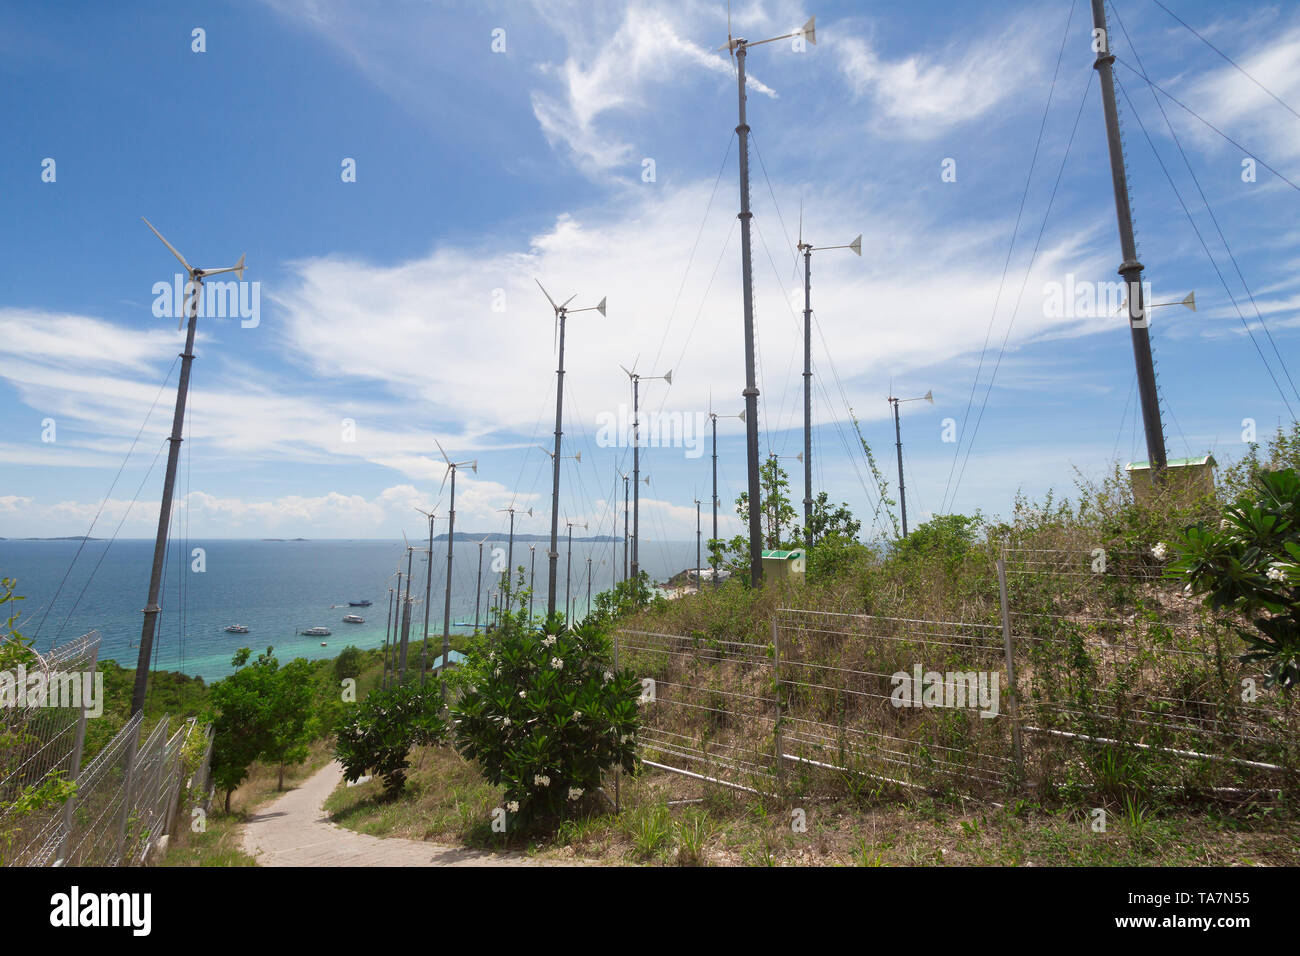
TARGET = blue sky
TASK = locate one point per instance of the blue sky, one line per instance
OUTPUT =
(405, 301)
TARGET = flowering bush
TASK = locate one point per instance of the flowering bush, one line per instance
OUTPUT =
(548, 715)
(1250, 562)
(384, 728)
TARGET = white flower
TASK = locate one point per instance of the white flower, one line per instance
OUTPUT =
(497, 672)
(609, 676)
(1275, 573)
(1159, 551)
(575, 793)
(557, 663)
(513, 806)
(548, 641)
(1224, 524)
(577, 714)
(541, 781)
(521, 693)
(505, 722)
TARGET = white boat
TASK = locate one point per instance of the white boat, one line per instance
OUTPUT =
(316, 632)
(236, 629)
(353, 619)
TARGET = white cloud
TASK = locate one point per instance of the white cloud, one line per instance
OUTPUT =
(647, 53)
(924, 95)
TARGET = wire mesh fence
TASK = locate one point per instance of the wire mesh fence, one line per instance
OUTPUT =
(112, 810)
(1127, 681)
(708, 706)
(908, 702)
(42, 731)
(1102, 678)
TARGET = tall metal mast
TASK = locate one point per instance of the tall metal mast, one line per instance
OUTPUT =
(807, 250)
(553, 555)
(151, 607)
(1130, 268)
(739, 48)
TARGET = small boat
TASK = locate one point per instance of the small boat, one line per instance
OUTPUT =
(322, 643)
(353, 619)
(359, 603)
(316, 632)
(236, 629)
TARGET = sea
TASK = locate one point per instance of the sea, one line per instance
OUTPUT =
(277, 589)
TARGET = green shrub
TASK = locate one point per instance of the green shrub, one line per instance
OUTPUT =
(386, 725)
(1250, 563)
(548, 717)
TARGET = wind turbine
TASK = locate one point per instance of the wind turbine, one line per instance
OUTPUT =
(478, 583)
(510, 553)
(428, 587)
(151, 608)
(568, 607)
(738, 47)
(807, 250)
(636, 458)
(561, 313)
(452, 467)
(898, 439)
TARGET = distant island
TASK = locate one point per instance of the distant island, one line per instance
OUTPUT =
(286, 539)
(474, 538)
(71, 537)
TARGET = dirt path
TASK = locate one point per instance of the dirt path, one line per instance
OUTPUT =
(295, 831)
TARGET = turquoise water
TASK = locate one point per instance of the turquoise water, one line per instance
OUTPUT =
(276, 588)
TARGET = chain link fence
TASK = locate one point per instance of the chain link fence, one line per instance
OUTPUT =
(109, 812)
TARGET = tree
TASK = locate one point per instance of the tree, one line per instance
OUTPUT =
(349, 663)
(241, 718)
(548, 715)
(384, 728)
(1250, 564)
(825, 522)
(292, 718)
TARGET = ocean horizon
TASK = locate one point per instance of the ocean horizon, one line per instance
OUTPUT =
(277, 588)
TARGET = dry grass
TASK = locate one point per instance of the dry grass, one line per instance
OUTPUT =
(669, 820)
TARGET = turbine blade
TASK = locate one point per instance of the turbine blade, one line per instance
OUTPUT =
(441, 452)
(547, 294)
(179, 257)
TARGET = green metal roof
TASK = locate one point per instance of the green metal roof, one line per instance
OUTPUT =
(1173, 463)
(783, 555)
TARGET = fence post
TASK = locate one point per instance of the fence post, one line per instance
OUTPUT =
(74, 768)
(1013, 696)
(776, 726)
(618, 771)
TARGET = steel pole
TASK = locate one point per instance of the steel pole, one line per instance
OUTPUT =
(713, 553)
(902, 490)
(478, 586)
(446, 599)
(553, 554)
(1130, 268)
(751, 389)
(636, 476)
(807, 397)
(151, 607)
(428, 591)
